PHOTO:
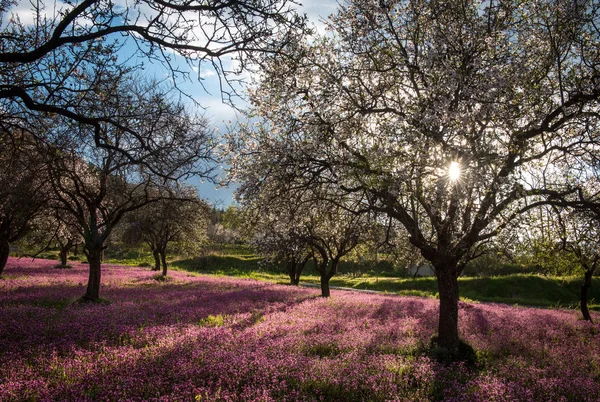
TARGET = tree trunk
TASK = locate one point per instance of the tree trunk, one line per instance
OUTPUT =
(156, 255)
(93, 288)
(294, 270)
(63, 255)
(291, 268)
(448, 319)
(325, 292)
(163, 259)
(587, 283)
(4, 252)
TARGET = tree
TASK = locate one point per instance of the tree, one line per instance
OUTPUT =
(333, 231)
(305, 221)
(53, 228)
(55, 62)
(277, 234)
(574, 246)
(450, 117)
(178, 222)
(580, 238)
(23, 189)
(66, 237)
(98, 186)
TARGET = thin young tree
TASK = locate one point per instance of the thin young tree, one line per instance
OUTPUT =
(172, 224)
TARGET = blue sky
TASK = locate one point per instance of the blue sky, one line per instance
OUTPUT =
(219, 113)
(206, 94)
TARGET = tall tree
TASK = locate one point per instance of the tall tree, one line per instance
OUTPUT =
(23, 188)
(55, 54)
(98, 186)
(449, 117)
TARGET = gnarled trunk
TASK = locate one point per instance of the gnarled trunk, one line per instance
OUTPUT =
(447, 277)
(4, 253)
(587, 283)
(94, 255)
(325, 292)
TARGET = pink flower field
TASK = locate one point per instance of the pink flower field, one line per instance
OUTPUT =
(197, 338)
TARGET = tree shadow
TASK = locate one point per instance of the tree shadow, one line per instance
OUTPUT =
(35, 319)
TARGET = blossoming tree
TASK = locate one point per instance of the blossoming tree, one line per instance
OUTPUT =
(447, 116)
(177, 223)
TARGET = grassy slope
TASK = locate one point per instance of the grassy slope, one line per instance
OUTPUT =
(521, 289)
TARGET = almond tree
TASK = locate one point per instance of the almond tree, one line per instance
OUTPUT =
(53, 228)
(277, 235)
(333, 231)
(449, 117)
(175, 223)
(97, 186)
(305, 221)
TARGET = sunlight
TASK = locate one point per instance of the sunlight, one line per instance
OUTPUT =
(454, 171)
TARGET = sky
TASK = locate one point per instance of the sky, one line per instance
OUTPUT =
(207, 94)
(220, 114)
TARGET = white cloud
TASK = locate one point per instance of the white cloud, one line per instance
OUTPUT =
(204, 71)
(27, 13)
(317, 11)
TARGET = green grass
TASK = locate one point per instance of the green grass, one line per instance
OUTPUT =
(519, 289)
(514, 289)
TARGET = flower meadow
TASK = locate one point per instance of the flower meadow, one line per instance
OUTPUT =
(199, 338)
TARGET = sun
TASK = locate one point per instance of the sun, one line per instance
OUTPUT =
(454, 171)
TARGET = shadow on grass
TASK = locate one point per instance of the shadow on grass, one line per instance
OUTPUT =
(527, 290)
(519, 289)
(224, 265)
(38, 317)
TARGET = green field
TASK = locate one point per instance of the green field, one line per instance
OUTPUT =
(524, 289)
(514, 289)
